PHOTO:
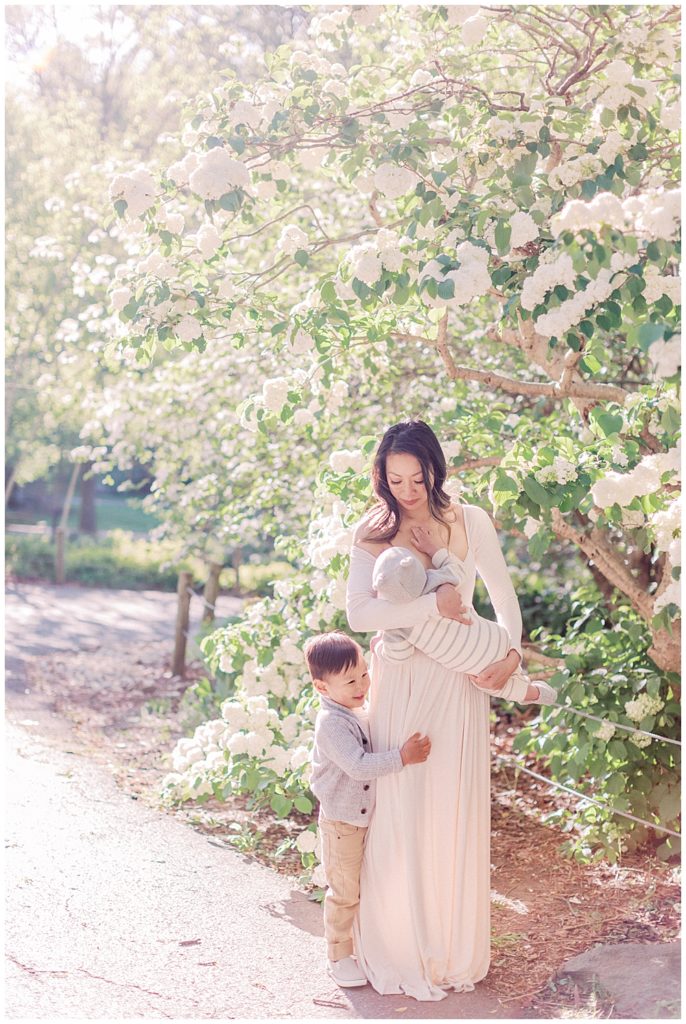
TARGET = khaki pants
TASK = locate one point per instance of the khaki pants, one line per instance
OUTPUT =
(342, 847)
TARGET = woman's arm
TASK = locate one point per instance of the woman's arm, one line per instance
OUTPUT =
(492, 567)
(366, 612)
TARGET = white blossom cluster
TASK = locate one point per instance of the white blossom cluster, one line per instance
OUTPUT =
(381, 252)
(137, 189)
(208, 240)
(666, 526)
(217, 173)
(545, 277)
(474, 29)
(649, 215)
(643, 706)
(291, 239)
(470, 280)
(328, 536)
(623, 89)
(570, 172)
(343, 460)
(655, 213)
(605, 731)
(645, 478)
(275, 394)
(666, 357)
(524, 229)
(394, 181)
(561, 471)
(605, 209)
(557, 322)
(658, 284)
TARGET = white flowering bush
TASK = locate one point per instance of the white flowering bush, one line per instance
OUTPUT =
(400, 218)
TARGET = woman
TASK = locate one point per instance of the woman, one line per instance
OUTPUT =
(424, 922)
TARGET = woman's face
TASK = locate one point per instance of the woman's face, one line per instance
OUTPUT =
(405, 481)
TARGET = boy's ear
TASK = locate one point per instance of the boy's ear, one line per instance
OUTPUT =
(320, 686)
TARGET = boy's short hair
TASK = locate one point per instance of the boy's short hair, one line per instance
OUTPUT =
(330, 653)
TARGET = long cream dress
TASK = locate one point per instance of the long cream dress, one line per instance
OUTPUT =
(424, 920)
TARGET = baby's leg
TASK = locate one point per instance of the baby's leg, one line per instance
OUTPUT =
(460, 647)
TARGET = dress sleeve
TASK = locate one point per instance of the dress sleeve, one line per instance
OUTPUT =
(492, 567)
(366, 612)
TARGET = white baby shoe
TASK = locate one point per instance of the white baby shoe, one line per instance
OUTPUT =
(347, 973)
(546, 694)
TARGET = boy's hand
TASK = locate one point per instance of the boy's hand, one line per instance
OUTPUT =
(416, 749)
(424, 539)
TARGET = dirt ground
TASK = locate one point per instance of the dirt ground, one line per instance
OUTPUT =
(546, 908)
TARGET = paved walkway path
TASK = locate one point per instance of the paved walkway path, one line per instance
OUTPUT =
(118, 910)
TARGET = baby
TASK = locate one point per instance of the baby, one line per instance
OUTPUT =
(400, 576)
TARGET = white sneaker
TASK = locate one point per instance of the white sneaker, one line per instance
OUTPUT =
(347, 973)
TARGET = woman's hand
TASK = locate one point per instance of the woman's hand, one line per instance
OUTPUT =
(496, 675)
(425, 540)
(450, 604)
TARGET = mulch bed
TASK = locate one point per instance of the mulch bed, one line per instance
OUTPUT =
(546, 908)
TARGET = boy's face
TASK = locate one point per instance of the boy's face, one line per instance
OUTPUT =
(348, 688)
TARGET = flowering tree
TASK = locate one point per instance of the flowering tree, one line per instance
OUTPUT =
(72, 112)
(469, 214)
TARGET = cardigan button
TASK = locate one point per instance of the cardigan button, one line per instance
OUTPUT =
(366, 786)
(363, 811)
(364, 739)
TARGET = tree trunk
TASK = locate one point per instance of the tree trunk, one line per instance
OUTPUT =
(88, 522)
(9, 486)
(666, 650)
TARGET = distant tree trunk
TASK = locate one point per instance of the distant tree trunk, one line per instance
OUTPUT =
(11, 481)
(88, 522)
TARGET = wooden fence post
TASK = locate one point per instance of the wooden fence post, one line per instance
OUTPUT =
(211, 592)
(183, 605)
(61, 532)
(237, 560)
(59, 555)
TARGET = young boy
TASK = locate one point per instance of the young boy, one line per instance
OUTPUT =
(343, 779)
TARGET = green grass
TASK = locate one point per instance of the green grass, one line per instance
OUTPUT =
(112, 514)
(123, 561)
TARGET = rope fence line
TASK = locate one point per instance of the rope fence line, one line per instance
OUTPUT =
(206, 603)
(582, 796)
(617, 725)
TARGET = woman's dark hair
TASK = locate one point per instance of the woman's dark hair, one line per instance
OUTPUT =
(330, 653)
(411, 437)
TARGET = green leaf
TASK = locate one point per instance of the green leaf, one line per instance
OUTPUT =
(121, 206)
(301, 257)
(280, 327)
(503, 231)
(537, 493)
(281, 805)
(609, 423)
(504, 489)
(607, 117)
(303, 805)
(446, 289)
(615, 785)
(231, 201)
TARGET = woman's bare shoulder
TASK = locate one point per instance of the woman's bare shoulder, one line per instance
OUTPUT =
(363, 535)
